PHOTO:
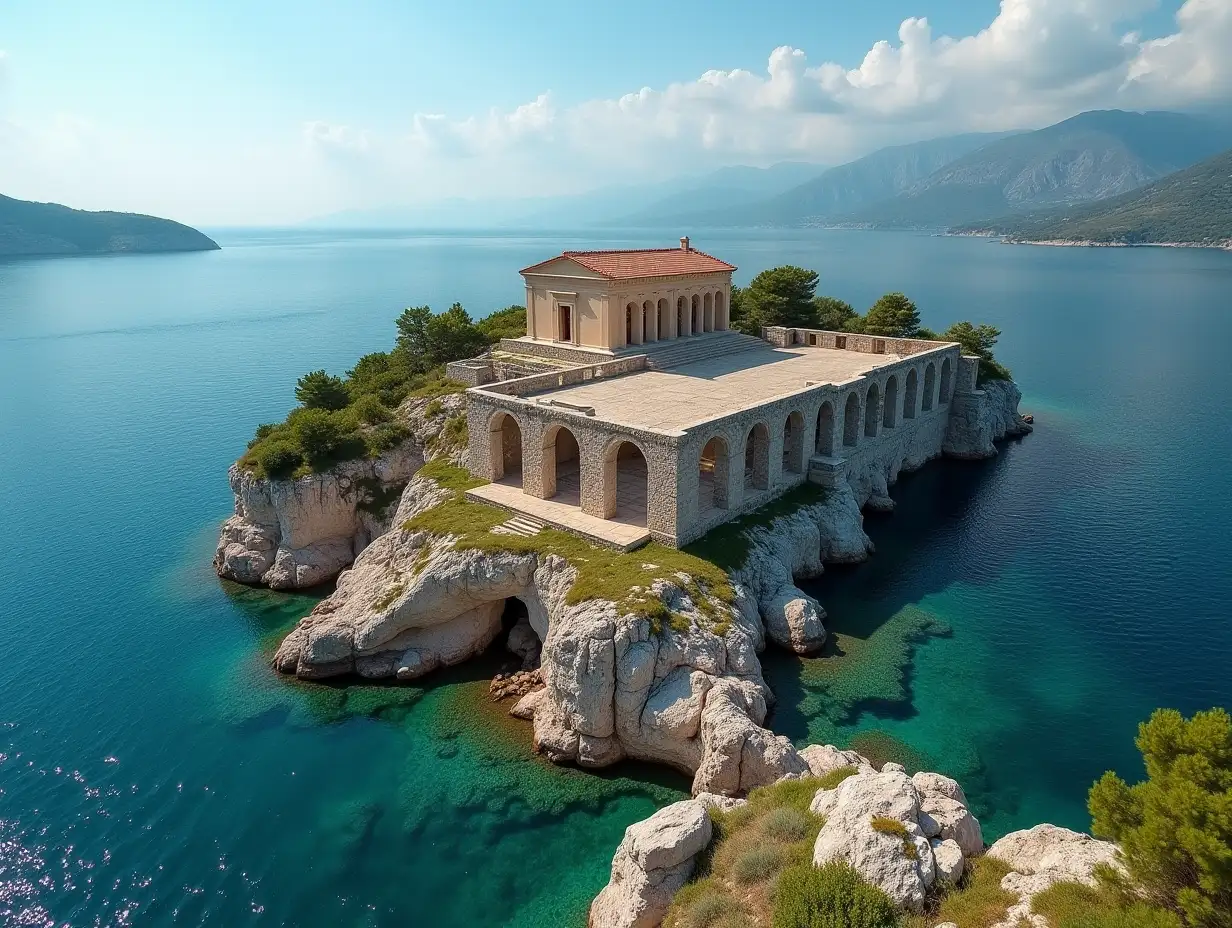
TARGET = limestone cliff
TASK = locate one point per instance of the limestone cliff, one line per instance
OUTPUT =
(292, 534)
(690, 695)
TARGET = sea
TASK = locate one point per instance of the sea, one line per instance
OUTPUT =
(1020, 618)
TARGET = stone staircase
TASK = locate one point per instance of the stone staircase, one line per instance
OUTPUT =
(664, 355)
(521, 525)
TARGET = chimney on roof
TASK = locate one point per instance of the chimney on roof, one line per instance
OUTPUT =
(684, 243)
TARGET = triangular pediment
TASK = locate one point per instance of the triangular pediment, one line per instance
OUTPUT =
(562, 266)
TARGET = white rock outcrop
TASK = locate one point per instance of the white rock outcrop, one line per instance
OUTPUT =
(656, 858)
(292, 534)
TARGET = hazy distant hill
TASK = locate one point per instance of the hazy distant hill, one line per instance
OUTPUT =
(628, 204)
(1089, 157)
(1193, 206)
(838, 191)
(28, 228)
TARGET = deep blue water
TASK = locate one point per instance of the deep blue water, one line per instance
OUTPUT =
(152, 770)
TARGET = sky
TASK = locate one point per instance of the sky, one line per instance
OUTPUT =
(234, 113)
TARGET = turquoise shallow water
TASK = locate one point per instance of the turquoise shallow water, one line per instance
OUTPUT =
(152, 771)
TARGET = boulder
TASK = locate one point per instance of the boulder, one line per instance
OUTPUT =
(1055, 851)
(794, 621)
(826, 758)
(899, 864)
(949, 859)
(953, 821)
(656, 858)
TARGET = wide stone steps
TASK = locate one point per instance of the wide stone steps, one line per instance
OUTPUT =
(520, 525)
(691, 348)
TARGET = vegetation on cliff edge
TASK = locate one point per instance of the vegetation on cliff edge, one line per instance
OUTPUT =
(344, 418)
(787, 296)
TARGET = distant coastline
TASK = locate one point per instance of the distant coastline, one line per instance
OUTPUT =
(1225, 245)
(29, 229)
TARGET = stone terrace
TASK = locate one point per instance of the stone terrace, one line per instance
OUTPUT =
(692, 394)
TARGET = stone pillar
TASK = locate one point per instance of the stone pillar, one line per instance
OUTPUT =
(968, 374)
(598, 485)
(774, 458)
(637, 323)
(535, 482)
(662, 491)
(686, 317)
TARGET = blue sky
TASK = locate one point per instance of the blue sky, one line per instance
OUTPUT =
(272, 112)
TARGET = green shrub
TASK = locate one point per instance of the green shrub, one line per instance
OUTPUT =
(319, 390)
(703, 905)
(434, 408)
(785, 824)
(1175, 828)
(979, 901)
(509, 322)
(1073, 905)
(370, 410)
(279, 459)
(386, 437)
(317, 433)
(264, 431)
(832, 896)
(757, 864)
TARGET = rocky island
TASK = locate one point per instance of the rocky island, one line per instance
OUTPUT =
(630, 518)
(28, 228)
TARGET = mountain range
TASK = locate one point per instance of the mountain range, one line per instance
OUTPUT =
(28, 228)
(961, 179)
(1192, 207)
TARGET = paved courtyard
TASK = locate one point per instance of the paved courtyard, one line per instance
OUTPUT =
(694, 393)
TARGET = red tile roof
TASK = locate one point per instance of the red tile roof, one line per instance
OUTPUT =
(642, 262)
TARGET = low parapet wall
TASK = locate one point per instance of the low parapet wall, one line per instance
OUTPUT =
(568, 377)
(784, 337)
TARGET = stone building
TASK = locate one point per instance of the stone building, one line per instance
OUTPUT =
(631, 411)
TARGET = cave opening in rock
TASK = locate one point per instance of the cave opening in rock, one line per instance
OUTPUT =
(520, 639)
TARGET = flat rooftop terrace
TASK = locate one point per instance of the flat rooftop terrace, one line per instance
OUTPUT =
(691, 394)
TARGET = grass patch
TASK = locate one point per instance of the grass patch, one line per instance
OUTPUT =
(603, 573)
(752, 846)
(727, 545)
(833, 896)
(977, 902)
(896, 829)
(1074, 905)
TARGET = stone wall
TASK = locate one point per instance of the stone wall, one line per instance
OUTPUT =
(782, 337)
(569, 376)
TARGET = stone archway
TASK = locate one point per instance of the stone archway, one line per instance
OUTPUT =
(823, 443)
(757, 458)
(872, 399)
(505, 449)
(625, 483)
(910, 400)
(793, 444)
(713, 471)
(562, 479)
(851, 421)
(889, 414)
(930, 385)
(947, 380)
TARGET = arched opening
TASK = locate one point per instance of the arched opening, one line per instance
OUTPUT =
(682, 317)
(561, 462)
(663, 329)
(824, 443)
(793, 444)
(649, 322)
(720, 313)
(520, 638)
(708, 312)
(757, 458)
(505, 448)
(909, 394)
(871, 401)
(851, 421)
(712, 476)
(930, 385)
(889, 414)
(947, 378)
(696, 320)
(624, 483)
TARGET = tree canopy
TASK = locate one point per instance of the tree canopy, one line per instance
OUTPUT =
(894, 315)
(319, 390)
(778, 296)
(1175, 827)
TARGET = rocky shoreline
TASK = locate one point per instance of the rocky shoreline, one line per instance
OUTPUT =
(690, 695)
(931, 840)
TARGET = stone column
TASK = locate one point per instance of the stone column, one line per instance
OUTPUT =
(686, 317)
(534, 481)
